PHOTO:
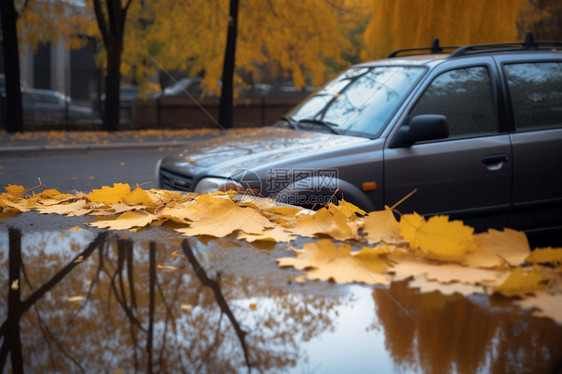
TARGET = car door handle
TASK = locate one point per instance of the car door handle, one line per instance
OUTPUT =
(494, 159)
(495, 162)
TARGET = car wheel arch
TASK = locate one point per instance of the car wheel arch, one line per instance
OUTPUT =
(313, 191)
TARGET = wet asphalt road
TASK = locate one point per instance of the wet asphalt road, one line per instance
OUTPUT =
(81, 170)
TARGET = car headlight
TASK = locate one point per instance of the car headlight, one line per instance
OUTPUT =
(206, 185)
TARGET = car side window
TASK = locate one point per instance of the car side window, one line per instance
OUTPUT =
(536, 94)
(465, 97)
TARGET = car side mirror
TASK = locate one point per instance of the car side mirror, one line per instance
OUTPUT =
(421, 128)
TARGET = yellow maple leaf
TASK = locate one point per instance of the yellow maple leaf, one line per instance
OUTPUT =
(175, 211)
(347, 209)
(323, 260)
(545, 255)
(15, 202)
(53, 194)
(109, 195)
(283, 215)
(167, 195)
(126, 221)
(275, 234)
(140, 197)
(522, 281)
(324, 221)
(289, 211)
(381, 226)
(445, 273)
(79, 207)
(15, 189)
(437, 238)
(495, 248)
(219, 216)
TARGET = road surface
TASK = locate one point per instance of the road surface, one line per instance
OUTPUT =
(81, 170)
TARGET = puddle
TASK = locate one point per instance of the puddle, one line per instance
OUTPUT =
(95, 301)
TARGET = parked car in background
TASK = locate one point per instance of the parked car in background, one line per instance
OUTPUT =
(475, 130)
(185, 87)
(192, 87)
(52, 106)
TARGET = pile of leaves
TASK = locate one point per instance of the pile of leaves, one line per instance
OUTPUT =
(352, 245)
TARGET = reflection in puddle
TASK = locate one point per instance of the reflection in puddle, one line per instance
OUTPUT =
(111, 304)
(465, 335)
(92, 301)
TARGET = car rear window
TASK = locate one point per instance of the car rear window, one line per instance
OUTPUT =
(536, 94)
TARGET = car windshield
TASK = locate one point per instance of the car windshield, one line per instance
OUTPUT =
(361, 100)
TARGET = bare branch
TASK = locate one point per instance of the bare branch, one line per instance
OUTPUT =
(213, 285)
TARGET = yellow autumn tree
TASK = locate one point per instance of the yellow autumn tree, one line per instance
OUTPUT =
(50, 21)
(415, 23)
(289, 36)
(543, 17)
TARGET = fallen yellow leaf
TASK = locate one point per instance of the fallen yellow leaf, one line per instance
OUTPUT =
(522, 281)
(437, 238)
(381, 226)
(219, 216)
(324, 221)
(276, 234)
(109, 195)
(140, 197)
(495, 248)
(546, 255)
(14, 189)
(79, 207)
(323, 260)
(347, 209)
(126, 221)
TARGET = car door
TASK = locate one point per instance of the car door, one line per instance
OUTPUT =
(48, 107)
(466, 175)
(535, 90)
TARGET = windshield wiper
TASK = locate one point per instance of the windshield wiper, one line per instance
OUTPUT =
(291, 122)
(329, 125)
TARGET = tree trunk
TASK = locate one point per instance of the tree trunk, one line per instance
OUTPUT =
(13, 103)
(111, 22)
(227, 90)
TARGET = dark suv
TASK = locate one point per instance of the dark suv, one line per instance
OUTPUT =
(475, 130)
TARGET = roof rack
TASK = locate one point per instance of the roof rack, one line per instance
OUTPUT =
(434, 49)
(528, 44)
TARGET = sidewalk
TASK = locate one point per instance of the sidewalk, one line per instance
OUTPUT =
(85, 140)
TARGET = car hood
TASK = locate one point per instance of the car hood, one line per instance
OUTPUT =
(259, 148)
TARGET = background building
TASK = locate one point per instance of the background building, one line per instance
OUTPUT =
(54, 67)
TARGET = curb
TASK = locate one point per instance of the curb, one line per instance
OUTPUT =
(86, 147)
